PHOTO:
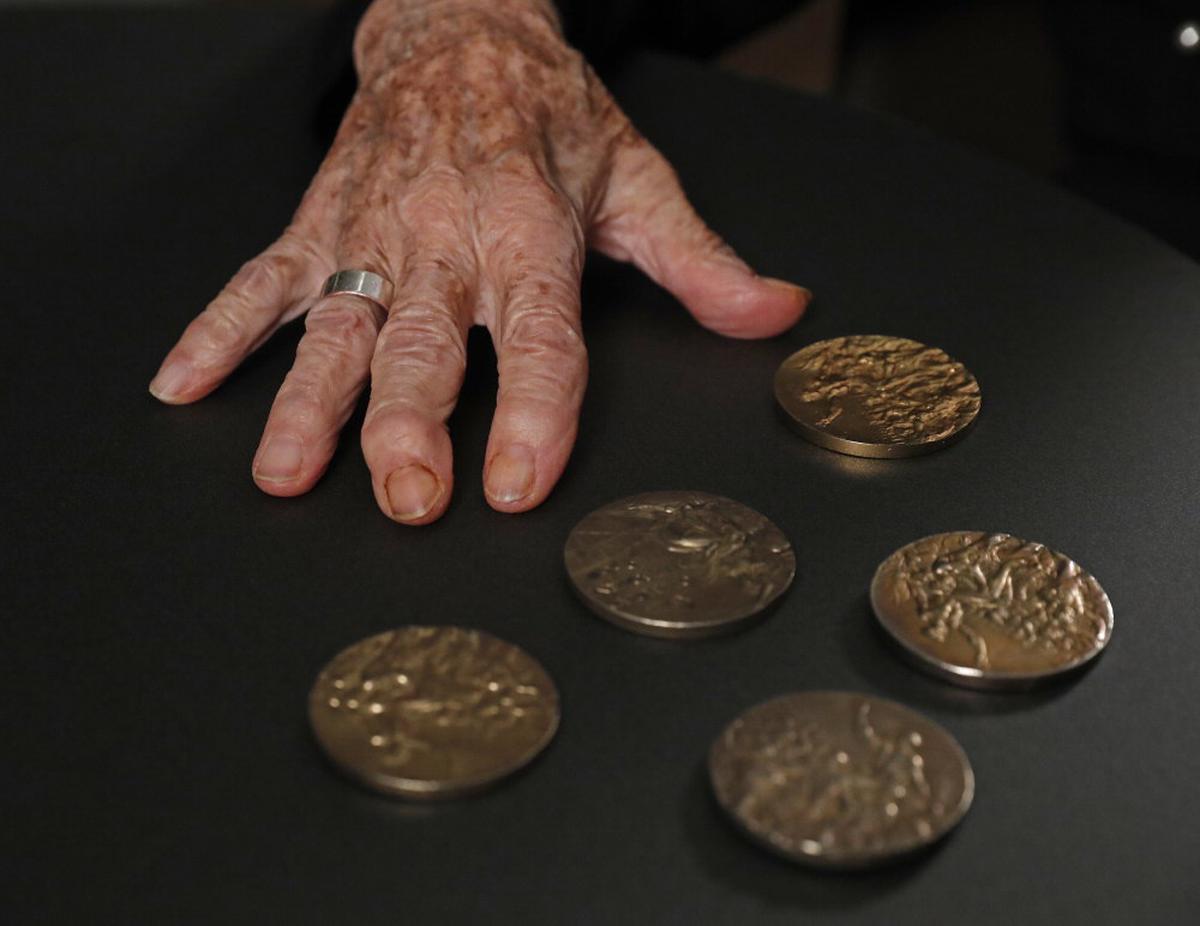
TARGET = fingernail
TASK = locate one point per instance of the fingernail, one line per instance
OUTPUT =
(510, 474)
(805, 294)
(170, 381)
(412, 490)
(280, 459)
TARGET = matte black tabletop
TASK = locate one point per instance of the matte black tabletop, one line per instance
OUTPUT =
(163, 619)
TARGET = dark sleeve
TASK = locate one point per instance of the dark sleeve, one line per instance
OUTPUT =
(606, 29)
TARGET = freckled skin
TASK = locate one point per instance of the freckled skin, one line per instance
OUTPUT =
(478, 160)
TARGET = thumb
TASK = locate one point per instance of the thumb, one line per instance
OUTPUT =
(645, 218)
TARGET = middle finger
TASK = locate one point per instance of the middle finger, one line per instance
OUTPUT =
(416, 373)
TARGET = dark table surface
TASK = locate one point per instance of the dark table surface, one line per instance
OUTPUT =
(163, 620)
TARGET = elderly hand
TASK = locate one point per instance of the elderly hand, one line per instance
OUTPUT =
(479, 157)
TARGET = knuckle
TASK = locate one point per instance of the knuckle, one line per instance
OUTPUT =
(546, 335)
(298, 251)
(342, 326)
(532, 242)
(646, 165)
(669, 217)
(300, 405)
(534, 198)
(436, 271)
(426, 350)
(439, 188)
(420, 338)
(362, 245)
(665, 209)
(219, 331)
(542, 386)
(268, 273)
(540, 278)
(393, 425)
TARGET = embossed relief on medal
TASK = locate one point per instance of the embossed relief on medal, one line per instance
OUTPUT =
(437, 704)
(679, 556)
(993, 602)
(879, 390)
(839, 778)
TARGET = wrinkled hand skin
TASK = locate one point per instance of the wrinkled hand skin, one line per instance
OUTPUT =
(479, 158)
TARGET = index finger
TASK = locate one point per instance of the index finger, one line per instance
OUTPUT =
(268, 291)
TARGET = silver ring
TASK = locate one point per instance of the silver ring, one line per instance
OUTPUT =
(360, 283)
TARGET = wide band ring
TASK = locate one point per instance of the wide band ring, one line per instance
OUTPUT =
(360, 283)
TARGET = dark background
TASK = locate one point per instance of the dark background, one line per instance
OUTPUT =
(163, 620)
(1100, 96)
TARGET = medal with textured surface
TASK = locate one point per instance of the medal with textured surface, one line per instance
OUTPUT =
(430, 712)
(678, 564)
(877, 396)
(840, 780)
(990, 610)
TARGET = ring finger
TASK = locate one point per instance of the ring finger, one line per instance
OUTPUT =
(332, 364)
